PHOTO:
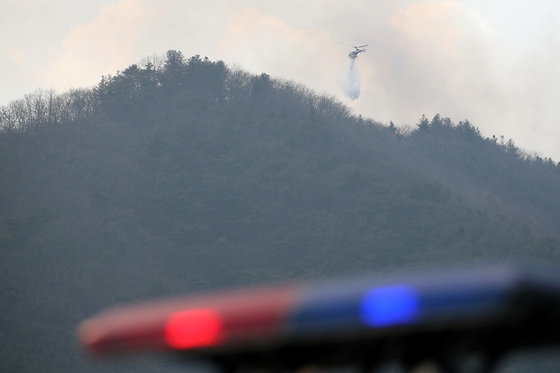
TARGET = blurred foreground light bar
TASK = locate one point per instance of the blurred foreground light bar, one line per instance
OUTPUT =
(495, 305)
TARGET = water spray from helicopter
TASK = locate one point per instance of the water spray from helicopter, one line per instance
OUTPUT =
(351, 85)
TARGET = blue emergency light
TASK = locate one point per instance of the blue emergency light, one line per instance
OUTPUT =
(390, 305)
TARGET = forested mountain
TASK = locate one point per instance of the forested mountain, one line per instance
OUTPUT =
(191, 175)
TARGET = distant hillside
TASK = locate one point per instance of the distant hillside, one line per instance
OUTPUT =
(191, 175)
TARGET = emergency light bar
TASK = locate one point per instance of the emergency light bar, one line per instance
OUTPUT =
(494, 308)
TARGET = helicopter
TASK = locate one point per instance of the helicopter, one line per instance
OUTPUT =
(357, 50)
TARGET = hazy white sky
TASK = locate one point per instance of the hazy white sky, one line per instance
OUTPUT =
(495, 63)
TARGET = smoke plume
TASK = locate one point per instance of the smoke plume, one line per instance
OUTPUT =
(352, 84)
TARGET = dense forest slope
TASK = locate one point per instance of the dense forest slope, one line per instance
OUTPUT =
(191, 175)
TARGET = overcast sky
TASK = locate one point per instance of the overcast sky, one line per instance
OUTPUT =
(495, 63)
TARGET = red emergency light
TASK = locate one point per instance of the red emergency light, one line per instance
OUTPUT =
(194, 328)
(196, 322)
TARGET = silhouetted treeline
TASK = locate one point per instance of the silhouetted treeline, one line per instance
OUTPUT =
(491, 173)
(180, 175)
(43, 108)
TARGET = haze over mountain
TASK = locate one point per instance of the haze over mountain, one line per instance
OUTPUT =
(189, 175)
(494, 63)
